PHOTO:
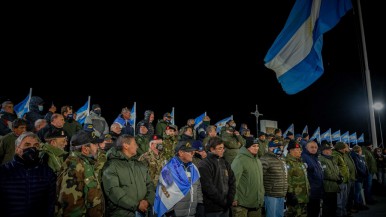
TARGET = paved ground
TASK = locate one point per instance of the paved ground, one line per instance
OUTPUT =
(377, 210)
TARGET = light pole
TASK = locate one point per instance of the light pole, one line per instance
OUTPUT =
(378, 106)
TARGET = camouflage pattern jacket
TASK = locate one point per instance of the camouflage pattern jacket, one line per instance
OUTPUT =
(126, 182)
(169, 143)
(154, 163)
(263, 147)
(297, 179)
(79, 188)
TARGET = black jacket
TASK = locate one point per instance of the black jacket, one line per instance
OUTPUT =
(218, 183)
(27, 190)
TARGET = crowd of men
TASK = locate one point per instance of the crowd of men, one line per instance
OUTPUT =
(51, 165)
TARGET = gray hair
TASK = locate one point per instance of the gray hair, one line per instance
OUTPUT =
(25, 135)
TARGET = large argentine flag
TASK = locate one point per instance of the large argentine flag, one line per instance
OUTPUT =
(296, 56)
(361, 138)
(345, 137)
(173, 185)
(316, 135)
(83, 112)
(23, 107)
(336, 136)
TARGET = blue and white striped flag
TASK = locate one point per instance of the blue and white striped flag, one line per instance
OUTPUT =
(345, 137)
(173, 185)
(133, 116)
(326, 136)
(23, 107)
(172, 114)
(198, 120)
(361, 138)
(336, 136)
(316, 135)
(290, 128)
(296, 54)
(222, 123)
(305, 130)
(353, 138)
(83, 112)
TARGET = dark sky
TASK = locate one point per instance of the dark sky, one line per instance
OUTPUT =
(204, 57)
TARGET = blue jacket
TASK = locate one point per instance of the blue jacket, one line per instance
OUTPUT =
(125, 125)
(314, 173)
(27, 190)
(360, 165)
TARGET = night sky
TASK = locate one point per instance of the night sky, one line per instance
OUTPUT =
(195, 44)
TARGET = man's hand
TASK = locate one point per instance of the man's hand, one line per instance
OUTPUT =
(143, 205)
(234, 203)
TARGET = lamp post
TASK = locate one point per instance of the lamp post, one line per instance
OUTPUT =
(378, 106)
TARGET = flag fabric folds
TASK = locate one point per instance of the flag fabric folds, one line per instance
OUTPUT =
(290, 128)
(83, 112)
(353, 138)
(361, 138)
(296, 54)
(222, 123)
(172, 114)
(326, 136)
(133, 116)
(345, 137)
(305, 130)
(316, 135)
(173, 185)
(336, 136)
(198, 120)
(23, 107)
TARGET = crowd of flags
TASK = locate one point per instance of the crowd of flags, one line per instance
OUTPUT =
(81, 114)
(329, 136)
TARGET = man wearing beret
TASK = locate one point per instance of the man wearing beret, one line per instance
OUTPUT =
(275, 180)
(247, 168)
(298, 185)
(56, 140)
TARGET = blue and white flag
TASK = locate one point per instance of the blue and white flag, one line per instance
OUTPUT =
(326, 136)
(83, 112)
(361, 138)
(23, 107)
(198, 120)
(345, 137)
(316, 135)
(133, 116)
(222, 123)
(173, 185)
(305, 130)
(336, 136)
(353, 138)
(290, 128)
(172, 114)
(296, 54)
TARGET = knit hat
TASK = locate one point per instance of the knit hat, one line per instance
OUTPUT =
(250, 141)
(292, 144)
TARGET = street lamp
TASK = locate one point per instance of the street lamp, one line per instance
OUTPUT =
(378, 106)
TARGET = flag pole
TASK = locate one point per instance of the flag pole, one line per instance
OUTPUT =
(368, 80)
(88, 105)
